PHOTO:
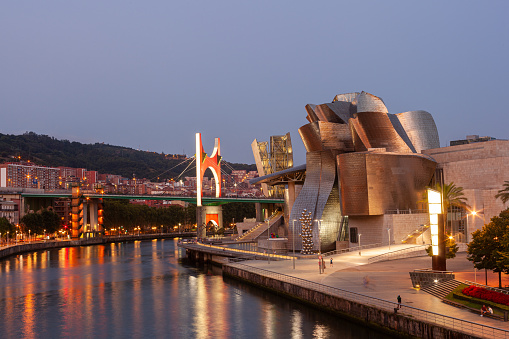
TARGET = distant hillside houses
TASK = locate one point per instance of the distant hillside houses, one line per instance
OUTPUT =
(30, 175)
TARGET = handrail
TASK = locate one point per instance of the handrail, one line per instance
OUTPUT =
(457, 324)
(350, 249)
(387, 256)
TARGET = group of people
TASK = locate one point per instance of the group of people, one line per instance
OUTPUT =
(485, 310)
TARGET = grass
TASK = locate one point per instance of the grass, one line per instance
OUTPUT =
(474, 302)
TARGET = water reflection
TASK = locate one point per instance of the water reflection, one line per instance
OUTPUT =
(143, 289)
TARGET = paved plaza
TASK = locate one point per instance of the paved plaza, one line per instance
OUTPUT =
(386, 280)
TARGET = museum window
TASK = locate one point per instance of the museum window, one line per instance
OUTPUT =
(353, 235)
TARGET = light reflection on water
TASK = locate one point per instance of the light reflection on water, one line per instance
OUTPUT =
(142, 290)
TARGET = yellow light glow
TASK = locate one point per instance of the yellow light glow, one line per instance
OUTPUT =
(434, 240)
(434, 229)
(435, 250)
(434, 197)
(435, 209)
(433, 219)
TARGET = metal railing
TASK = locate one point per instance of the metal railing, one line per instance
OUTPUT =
(399, 254)
(465, 326)
(350, 249)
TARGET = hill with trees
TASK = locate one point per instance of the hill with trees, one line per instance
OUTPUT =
(49, 151)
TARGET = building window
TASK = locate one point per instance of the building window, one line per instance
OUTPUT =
(353, 235)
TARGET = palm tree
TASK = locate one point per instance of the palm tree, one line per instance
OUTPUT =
(452, 195)
(503, 194)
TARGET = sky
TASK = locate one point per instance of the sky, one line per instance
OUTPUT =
(150, 74)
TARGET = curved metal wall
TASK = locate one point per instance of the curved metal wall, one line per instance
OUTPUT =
(372, 183)
(421, 129)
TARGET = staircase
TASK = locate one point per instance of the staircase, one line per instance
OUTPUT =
(418, 232)
(258, 230)
(442, 288)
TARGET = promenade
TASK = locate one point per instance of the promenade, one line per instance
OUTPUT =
(384, 280)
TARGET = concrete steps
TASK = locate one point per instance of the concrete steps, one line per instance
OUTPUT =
(442, 288)
(258, 230)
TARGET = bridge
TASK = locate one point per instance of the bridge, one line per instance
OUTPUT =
(87, 205)
(189, 199)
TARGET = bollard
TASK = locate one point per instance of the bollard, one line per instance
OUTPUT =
(505, 315)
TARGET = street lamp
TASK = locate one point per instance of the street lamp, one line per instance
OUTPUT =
(389, 234)
(360, 244)
(293, 240)
(268, 241)
(319, 222)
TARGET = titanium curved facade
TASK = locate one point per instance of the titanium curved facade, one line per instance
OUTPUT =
(361, 161)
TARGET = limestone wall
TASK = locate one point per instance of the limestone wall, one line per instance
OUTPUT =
(372, 316)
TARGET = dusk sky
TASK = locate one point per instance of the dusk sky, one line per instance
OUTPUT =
(150, 74)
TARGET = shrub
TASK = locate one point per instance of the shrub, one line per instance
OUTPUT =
(482, 293)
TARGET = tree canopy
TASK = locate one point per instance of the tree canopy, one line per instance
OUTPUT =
(503, 194)
(44, 219)
(489, 248)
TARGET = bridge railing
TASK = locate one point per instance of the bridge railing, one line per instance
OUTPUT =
(465, 326)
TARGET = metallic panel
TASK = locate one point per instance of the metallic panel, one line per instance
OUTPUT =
(378, 129)
(369, 103)
(318, 136)
(372, 183)
(320, 178)
(421, 129)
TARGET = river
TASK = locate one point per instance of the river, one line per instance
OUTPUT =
(146, 290)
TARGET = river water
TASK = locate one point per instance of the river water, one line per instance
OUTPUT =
(146, 290)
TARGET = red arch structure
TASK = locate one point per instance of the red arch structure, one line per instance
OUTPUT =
(203, 161)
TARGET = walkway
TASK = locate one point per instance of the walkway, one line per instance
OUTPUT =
(384, 280)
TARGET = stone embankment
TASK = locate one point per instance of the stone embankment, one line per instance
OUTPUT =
(33, 246)
(386, 318)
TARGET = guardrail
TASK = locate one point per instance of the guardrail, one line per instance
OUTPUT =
(350, 249)
(465, 326)
(403, 253)
(221, 250)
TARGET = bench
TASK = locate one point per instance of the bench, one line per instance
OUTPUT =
(475, 310)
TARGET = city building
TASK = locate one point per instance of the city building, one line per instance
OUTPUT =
(480, 168)
(364, 172)
(29, 175)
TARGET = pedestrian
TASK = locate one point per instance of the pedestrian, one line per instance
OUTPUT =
(323, 265)
(399, 301)
(483, 310)
(330, 262)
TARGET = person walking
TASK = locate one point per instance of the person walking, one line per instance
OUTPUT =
(399, 301)
(330, 262)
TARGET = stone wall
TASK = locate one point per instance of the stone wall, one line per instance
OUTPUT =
(387, 321)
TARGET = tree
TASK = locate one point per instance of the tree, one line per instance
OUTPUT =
(45, 219)
(503, 194)
(451, 248)
(489, 248)
(6, 226)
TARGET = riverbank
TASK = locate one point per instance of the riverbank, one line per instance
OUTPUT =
(367, 292)
(7, 251)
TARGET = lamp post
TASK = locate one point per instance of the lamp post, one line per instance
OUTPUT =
(268, 241)
(293, 240)
(319, 223)
(29, 238)
(360, 244)
(389, 234)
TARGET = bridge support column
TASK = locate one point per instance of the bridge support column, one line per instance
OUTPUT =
(205, 214)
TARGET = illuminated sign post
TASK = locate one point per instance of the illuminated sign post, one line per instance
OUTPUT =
(436, 222)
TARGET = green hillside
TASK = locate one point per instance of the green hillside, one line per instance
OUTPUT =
(48, 151)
